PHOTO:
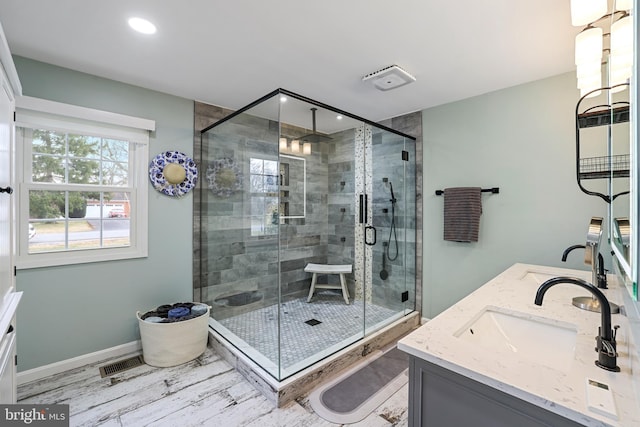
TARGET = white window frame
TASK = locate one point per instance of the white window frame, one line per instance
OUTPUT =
(38, 113)
(262, 194)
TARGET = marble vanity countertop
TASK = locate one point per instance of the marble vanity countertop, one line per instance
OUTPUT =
(561, 390)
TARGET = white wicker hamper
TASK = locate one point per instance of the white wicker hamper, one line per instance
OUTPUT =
(171, 344)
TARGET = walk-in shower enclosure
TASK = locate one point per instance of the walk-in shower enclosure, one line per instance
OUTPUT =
(288, 181)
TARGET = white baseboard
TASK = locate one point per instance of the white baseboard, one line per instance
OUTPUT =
(76, 362)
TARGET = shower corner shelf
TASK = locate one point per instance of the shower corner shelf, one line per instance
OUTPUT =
(603, 167)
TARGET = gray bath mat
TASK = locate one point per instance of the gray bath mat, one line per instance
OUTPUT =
(356, 393)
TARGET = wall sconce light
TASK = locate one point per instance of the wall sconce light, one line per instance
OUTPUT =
(295, 146)
(283, 144)
(621, 56)
(624, 4)
(588, 58)
(589, 44)
(306, 148)
(584, 12)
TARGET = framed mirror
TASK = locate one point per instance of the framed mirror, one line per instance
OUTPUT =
(620, 182)
(623, 190)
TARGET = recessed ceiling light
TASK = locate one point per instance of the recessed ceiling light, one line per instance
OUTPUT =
(339, 117)
(283, 98)
(142, 25)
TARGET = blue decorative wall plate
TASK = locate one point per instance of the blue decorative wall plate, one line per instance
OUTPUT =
(224, 176)
(163, 183)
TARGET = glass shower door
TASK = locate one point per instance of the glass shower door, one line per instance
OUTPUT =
(317, 214)
(390, 240)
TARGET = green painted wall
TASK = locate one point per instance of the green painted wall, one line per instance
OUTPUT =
(69, 311)
(521, 139)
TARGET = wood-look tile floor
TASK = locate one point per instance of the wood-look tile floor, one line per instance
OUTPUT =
(207, 391)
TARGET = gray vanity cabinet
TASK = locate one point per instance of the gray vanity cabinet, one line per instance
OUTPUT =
(441, 398)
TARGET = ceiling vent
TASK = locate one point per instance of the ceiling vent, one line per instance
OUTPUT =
(389, 78)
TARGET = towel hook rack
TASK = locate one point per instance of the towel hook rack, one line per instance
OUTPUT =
(493, 190)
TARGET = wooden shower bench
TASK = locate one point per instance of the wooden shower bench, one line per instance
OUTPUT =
(329, 269)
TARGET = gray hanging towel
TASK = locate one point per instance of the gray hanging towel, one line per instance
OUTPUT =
(462, 210)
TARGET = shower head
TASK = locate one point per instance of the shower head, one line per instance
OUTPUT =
(314, 136)
(393, 197)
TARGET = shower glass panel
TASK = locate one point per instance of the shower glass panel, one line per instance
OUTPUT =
(325, 324)
(391, 181)
(293, 183)
(240, 233)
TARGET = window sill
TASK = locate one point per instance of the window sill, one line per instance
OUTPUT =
(78, 257)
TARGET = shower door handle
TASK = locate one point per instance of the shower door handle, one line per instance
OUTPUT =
(366, 208)
(375, 237)
(364, 201)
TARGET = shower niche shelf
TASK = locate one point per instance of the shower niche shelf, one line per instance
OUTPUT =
(284, 174)
(292, 187)
(284, 210)
(601, 167)
(284, 192)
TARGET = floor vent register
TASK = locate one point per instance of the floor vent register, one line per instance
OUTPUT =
(120, 366)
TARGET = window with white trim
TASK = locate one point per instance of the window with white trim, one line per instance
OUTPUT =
(264, 196)
(83, 184)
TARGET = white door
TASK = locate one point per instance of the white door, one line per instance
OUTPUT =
(6, 199)
(9, 299)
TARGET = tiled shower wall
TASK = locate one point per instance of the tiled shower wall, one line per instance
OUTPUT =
(341, 209)
(235, 262)
(305, 240)
(226, 263)
(204, 116)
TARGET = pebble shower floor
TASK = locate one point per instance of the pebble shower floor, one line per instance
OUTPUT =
(300, 340)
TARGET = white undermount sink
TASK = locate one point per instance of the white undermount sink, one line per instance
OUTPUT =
(502, 332)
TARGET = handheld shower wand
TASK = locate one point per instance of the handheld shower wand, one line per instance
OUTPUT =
(392, 230)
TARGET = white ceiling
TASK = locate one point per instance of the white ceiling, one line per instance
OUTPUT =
(230, 53)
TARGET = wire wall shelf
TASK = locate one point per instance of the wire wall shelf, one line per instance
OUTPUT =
(602, 115)
(605, 167)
